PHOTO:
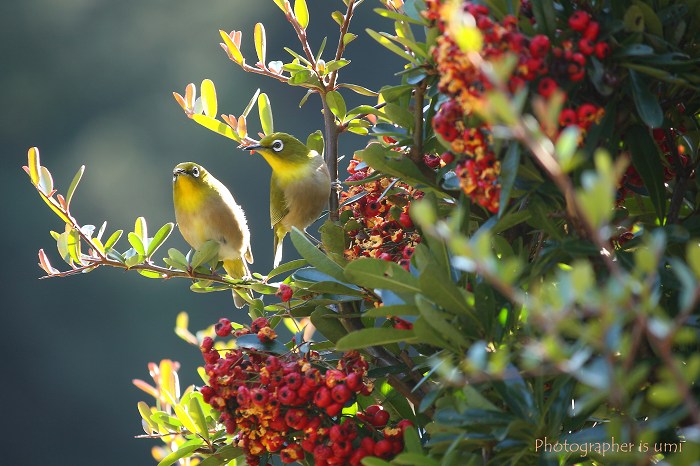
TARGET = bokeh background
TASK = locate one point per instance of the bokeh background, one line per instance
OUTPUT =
(90, 82)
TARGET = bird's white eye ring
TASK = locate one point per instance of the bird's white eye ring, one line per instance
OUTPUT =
(195, 172)
(277, 145)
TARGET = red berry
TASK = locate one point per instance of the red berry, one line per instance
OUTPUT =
(586, 46)
(334, 409)
(539, 46)
(579, 20)
(341, 394)
(592, 30)
(546, 87)
(447, 157)
(602, 50)
(403, 424)
(223, 327)
(567, 117)
(296, 419)
(259, 396)
(405, 220)
(258, 324)
(284, 293)
(286, 395)
(383, 448)
(322, 398)
(353, 381)
(431, 160)
(380, 419)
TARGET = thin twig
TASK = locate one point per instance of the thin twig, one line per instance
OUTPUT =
(341, 41)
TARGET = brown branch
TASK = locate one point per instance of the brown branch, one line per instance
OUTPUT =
(341, 42)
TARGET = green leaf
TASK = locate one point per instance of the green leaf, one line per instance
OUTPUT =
(393, 93)
(287, 267)
(200, 420)
(45, 181)
(412, 441)
(178, 258)
(205, 254)
(337, 104)
(384, 40)
(224, 454)
(251, 102)
(359, 89)
(379, 274)
(159, 238)
(509, 172)
(182, 452)
(646, 159)
(280, 3)
(373, 461)
(112, 240)
(415, 459)
(301, 11)
(441, 322)
(327, 322)
(392, 310)
(379, 336)
(338, 17)
(442, 290)
(566, 146)
(315, 141)
(141, 228)
(545, 16)
(349, 37)
(693, 257)
(260, 42)
(217, 126)
(399, 115)
(314, 256)
(136, 243)
(647, 103)
(396, 16)
(74, 184)
(34, 164)
(265, 111)
(334, 65)
(209, 103)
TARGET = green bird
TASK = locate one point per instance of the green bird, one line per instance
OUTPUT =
(205, 210)
(299, 187)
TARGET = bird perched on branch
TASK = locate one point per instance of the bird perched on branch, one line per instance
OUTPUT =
(299, 187)
(205, 210)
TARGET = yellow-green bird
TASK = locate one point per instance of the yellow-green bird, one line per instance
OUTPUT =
(299, 187)
(205, 210)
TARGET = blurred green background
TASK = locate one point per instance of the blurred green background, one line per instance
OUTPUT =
(90, 82)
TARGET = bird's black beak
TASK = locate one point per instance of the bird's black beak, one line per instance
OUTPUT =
(254, 147)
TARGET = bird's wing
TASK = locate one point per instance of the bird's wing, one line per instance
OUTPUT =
(278, 203)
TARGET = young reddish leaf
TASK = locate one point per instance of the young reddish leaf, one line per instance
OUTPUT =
(190, 95)
(301, 11)
(242, 127)
(265, 111)
(181, 101)
(230, 120)
(232, 49)
(45, 264)
(260, 42)
(209, 103)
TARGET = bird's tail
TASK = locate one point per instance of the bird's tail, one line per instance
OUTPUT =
(279, 235)
(238, 268)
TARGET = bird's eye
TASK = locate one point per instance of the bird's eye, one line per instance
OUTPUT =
(278, 145)
(195, 172)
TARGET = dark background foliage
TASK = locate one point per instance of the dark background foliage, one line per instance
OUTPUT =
(89, 82)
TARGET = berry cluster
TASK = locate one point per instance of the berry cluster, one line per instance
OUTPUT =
(379, 224)
(291, 406)
(542, 65)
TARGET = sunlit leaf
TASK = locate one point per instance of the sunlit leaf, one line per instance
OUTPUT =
(260, 42)
(337, 104)
(205, 254)
(74, 184)
(136, 243)
(367, 337)
(232, 48)
(216, 126)
(301, 11)
(33, 162)
(159, 238)
(209, 103)
(359, 89)
(265, 111)
(112, 240)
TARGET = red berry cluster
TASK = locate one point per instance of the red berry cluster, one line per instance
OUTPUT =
(290, 406)
(544, 66)
(379, 225)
